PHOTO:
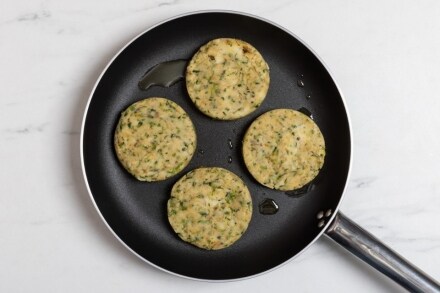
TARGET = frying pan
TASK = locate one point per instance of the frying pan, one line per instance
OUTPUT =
(136, 211)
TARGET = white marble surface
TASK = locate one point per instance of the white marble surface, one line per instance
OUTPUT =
(384, 54)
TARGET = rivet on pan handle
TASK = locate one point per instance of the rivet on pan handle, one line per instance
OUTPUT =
(368, 248)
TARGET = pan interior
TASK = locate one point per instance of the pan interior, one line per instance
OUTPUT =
(136, 211)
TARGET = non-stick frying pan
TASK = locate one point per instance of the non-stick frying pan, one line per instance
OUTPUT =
(136, 211)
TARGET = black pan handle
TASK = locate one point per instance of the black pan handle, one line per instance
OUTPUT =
(368, 248)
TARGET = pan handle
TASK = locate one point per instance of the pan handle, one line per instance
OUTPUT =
(368, 248)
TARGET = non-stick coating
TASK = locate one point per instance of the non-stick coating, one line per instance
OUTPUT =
(136, 211)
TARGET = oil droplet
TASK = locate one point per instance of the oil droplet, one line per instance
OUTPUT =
(202, 152)
(306, 112)
(229, 159)
(300, 83)
(268, 207)
(300, 191)
(230, 144)
(308, 96)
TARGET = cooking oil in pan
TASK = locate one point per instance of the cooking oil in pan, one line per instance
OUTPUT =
(230, 144)
(230, 147)
(268, 207)
(306, 112)
(164, 74)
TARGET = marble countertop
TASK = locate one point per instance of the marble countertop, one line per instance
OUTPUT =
(385, 56)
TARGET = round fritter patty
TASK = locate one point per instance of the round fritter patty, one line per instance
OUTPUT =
(284, 149)
(210, 208)
(227, 79)
(155, 139)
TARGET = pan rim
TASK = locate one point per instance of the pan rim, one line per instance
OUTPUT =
(323, 229)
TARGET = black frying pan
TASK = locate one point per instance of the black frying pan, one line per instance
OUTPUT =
(136, 211)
